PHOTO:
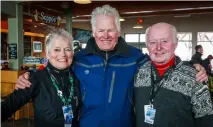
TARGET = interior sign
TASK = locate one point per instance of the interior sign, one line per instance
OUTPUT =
(48, 19)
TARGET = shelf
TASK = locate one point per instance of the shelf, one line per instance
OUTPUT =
(37, 65)
(26, 33)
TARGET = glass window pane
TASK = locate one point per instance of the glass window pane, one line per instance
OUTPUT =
(206, 40)
(142, 37)
(205, 36)
(184, 36)
(184, 50)
(207, 48)
(132, 37)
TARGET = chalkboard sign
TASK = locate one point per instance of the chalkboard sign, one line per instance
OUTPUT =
(12, 51)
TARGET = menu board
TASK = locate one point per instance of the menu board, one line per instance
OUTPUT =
(12, 51)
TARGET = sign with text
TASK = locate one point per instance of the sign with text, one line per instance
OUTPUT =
(47, 18)
(12, 51)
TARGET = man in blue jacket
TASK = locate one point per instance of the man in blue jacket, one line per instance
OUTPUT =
(106, 69)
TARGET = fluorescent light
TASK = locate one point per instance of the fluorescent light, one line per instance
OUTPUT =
(82, 1)
(138, 26)
(121, 19)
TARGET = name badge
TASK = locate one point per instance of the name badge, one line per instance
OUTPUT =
(68, 115)
(149, 113)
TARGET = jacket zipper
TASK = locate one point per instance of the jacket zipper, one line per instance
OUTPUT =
(111, 87)
(84, 94)
(105, 61)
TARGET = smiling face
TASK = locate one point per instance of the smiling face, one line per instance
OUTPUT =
(60, 53)
(105, 32)
(161, 45)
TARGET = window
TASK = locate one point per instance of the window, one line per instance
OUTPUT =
(206, 40)
(137, 40)
(142, 37)
(184, 48)
(129, 38)
(132, 38)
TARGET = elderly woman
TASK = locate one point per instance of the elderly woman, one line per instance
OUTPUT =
(55, 90)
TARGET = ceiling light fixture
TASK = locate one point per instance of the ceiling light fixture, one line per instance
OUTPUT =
(139, 24)
(42, 23)
(82, 1)
(121, 19)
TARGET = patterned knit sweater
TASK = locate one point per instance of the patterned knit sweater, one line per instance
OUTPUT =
(180, 101)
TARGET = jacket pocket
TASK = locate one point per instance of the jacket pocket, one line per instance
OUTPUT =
(111, 87)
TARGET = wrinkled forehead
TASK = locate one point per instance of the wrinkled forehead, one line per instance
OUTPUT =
(102, 18)
(160, 32)
(105, 22)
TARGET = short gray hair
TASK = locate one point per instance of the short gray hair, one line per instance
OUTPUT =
(173, 29)
(105, 10)
(58, 32)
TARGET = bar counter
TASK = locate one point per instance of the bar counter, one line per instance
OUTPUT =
(8, 82)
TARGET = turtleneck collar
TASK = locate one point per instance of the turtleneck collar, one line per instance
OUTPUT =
(57, 71)
(162, 68)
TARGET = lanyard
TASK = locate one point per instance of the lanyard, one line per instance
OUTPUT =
(65, 100)
(157, 85)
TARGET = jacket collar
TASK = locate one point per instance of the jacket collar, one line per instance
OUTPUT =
(121, 47)
(199, 53)
(55, 71)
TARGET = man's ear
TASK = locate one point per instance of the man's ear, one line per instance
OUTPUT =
(176, 43)
(119, 33)
(93, 34)
(47, 55)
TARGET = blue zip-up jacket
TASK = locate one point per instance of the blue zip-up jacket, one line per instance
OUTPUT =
(107, 84)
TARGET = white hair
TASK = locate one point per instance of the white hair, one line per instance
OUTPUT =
(55, 33)
(174, 30)
(107, 11)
